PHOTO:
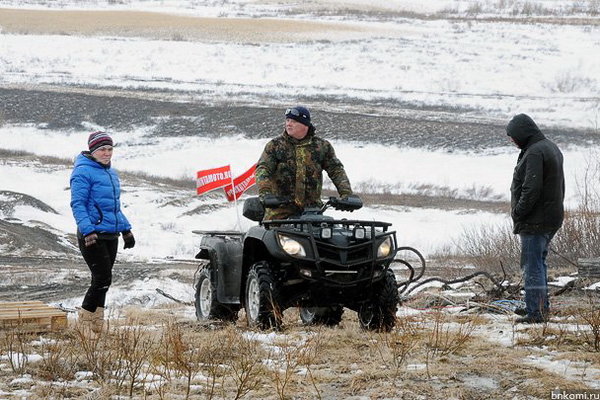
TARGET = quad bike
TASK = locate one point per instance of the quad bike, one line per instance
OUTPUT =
(314, 262)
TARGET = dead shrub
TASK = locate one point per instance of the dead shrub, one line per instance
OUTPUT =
(288, 356)
(14, 344)
(579, 236)
(591, 316)
(446, 337)
(134, 347)
(182, 357)
(396, 346)
(59, 360)
(492, 248)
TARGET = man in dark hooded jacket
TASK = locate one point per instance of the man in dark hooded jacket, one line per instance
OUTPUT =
(537, 195)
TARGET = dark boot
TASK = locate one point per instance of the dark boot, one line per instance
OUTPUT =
(529, 319)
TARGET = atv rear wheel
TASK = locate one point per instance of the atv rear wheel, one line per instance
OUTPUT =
(207, 305)
(262, 296)
(330, 316)
(379, 314)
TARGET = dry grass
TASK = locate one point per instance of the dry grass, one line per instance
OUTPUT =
(169, 27)
(491, 247)
(153, 354)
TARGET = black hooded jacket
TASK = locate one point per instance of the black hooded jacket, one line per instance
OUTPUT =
(538, 185)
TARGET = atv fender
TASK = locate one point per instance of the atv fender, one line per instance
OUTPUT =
(225, 256)
(254, 251)
(261, 244)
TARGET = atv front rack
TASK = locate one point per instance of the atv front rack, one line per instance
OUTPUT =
(345, 252)
(307, 224)
(219, 233)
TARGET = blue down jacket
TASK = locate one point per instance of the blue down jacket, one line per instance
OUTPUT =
(96, 197)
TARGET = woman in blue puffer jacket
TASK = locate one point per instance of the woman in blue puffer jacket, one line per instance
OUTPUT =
(96, 206)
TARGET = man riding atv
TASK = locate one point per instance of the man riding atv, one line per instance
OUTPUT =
(297, 256)
(291, 167)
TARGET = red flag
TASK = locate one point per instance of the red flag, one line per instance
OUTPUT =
(211, 179)
(241, 184)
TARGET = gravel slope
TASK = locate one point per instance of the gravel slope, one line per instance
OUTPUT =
(391, 124)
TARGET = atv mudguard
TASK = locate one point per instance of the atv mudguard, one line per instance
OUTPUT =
(225, 255)
(261, 244)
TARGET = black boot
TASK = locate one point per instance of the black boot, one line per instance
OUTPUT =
(530, 319)
(520, 311)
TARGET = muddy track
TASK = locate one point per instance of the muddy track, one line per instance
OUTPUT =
(54, 279)
(171, 114)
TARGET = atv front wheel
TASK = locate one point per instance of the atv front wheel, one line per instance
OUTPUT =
(379, 314)
(330, 316)
(207, 305)
(262, 296)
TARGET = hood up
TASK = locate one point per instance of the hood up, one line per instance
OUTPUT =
(523, 130)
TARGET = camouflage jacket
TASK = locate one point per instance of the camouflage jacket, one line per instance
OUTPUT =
(294, 168)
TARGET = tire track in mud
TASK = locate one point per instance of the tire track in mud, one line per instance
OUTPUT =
(52, 279)
(176, 114)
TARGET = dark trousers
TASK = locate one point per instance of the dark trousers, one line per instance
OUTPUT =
(100, 259)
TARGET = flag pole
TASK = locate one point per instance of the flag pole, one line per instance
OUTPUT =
(237, 210)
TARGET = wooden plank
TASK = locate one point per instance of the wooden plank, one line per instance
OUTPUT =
(588, 267)
(18, 303)
(29, 309)
(24, 305)
(31, 316)
(26, 309)
(36, 325)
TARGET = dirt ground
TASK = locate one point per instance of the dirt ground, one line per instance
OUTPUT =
(68, 107)
(52, 279)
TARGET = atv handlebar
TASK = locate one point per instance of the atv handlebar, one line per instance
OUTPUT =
(348, 203)
(272, 201)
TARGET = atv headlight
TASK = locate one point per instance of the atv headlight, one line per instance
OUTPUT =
(326, 232)
(359, 233)
(385, 248)
(291, 246)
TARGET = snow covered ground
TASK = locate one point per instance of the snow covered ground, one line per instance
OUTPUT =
(402, 170)
(491, 66)
(496, 69)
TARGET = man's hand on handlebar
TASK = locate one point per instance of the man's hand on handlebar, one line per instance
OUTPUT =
(273, 201)
(348, 203)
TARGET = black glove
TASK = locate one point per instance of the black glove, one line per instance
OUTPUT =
(128, 239)
(352, 198)
(272, 201)
(350, 203)
(90, 239)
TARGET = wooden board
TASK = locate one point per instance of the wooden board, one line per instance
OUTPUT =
(31, 316)
(589, 267)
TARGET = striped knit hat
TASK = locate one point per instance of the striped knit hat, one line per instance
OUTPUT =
(99, 139)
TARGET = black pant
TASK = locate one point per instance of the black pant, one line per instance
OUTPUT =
(100, 258)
